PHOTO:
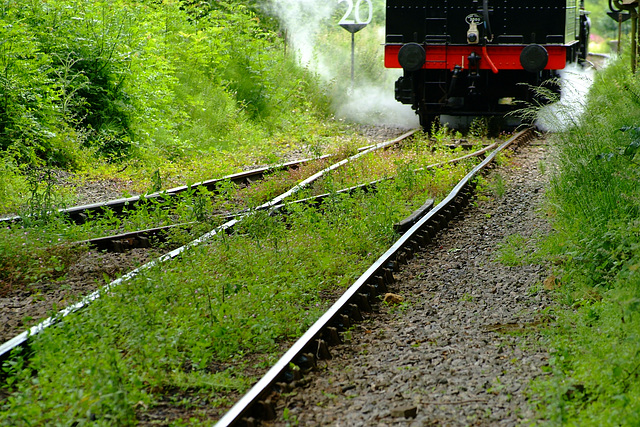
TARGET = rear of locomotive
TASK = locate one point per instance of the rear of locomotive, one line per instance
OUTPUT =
(479, 57)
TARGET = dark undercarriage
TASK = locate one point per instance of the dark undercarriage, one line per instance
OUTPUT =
(482, 57)
(435, 92)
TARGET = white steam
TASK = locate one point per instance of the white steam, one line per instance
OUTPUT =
(376, 105)
(303, 21)
(307, 23)
(575, 83)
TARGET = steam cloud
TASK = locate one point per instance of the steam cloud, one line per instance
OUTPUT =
(303, 20)
(575, 83)
(367, 102)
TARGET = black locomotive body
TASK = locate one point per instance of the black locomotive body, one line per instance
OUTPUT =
(478, 57)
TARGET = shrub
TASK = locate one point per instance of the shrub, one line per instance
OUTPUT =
(594, 194)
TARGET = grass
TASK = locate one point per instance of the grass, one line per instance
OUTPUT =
(29, 255)
(513, 251)
(147, 87)
(237, 296)
(593, 341)
(197, 208)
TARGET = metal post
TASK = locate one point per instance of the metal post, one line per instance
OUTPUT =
(353, 61)
(619, 32)
(353, 29)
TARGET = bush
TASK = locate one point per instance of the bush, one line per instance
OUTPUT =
(11, 184)
(148, 79)
(595, 356)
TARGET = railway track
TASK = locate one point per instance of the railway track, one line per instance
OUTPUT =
(80, 214)
(123, 239)
(261, 401)
(358, 301)
(462, 348)
(140, 239)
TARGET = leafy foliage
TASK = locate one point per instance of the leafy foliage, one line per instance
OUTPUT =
(120, 78)
(594, 196)
(601, 24)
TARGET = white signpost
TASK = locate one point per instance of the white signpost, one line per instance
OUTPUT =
(352, 21)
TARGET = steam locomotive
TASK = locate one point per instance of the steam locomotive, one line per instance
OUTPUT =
(480, 57)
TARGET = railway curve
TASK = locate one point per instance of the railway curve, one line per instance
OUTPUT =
(451, 353)
(362, 298)
(262, 401)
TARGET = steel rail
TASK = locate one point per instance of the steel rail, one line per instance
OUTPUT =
(365, 187)
(122, 242)
(255, 403)
(78, 213)
(21, 340)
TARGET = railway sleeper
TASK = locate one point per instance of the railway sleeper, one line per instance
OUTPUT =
(305, 362)
(388, 276)
(342, 322)
(443, 218)
(401, 257)
(458, 203)
(362, 302)
(430, 229)
(283, 387)
(331, 336)
(379, 284)
(355, 313)
(291, 376)
(370, 291)
(322, 351)
(411, 248)
(267, 409)
(423, 239)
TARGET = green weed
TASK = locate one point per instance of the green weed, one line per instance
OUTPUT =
(594, 361)
(515, 250)
(142, 85)
(168, 325)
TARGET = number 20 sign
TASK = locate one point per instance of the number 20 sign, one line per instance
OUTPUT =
(352, 20)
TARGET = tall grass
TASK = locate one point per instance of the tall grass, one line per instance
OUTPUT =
(149, 84)
(594, 197)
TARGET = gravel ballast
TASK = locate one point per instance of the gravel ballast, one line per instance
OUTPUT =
(453, 353)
